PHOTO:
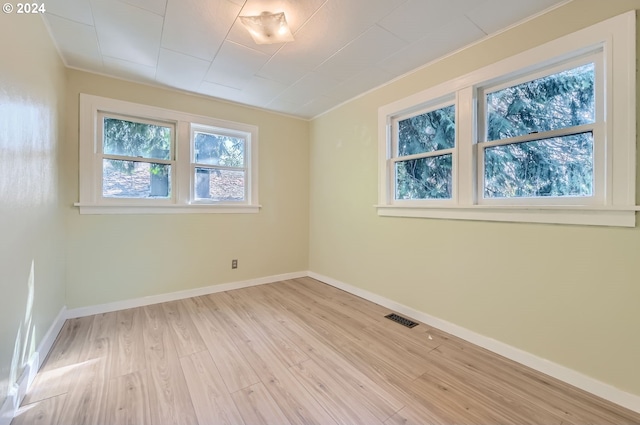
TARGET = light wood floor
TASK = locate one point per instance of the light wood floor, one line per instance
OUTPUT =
(292, 352)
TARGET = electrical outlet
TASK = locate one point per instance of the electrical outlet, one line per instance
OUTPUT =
(234, 264)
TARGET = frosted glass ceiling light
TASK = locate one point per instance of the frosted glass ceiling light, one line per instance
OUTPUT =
(268, 28)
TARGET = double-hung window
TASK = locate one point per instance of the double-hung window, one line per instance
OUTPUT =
(424, 153)
(137, 157)
(142, 159)
(219, 167)
(536, 137)
(545, 136)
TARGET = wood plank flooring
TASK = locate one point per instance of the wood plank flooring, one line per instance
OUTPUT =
(290, 353)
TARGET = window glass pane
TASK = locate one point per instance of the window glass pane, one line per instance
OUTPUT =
(136, 139)
(428, 132)
(560, 166)
(219, 185)
(424, 178)
(214, 149)
(561, 100)
(130, 179)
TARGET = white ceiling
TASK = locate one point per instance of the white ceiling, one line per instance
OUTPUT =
(342, 48)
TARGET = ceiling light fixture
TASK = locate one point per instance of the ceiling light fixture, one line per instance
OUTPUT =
(268, 28)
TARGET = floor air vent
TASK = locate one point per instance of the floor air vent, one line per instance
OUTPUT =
(402, 320)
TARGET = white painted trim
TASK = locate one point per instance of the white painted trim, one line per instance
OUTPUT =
(578, 215)
(91, 201)
(19, 390)
(167, 209)
(9, 407)
(178, 295)
(612, 43)
(570, 376)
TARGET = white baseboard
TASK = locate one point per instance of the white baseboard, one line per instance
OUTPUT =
(19, 390)
(179, 295)
(601, 389)
(570, 376)
(9, 407)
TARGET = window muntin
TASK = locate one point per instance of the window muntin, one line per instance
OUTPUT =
(219, 164)
(423, 164)
(137, 157)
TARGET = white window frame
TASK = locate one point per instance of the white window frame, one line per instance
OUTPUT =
(596, 56)
(100, 156)
(614, 203)
(182, 193)
(394, 156)
(245, 166)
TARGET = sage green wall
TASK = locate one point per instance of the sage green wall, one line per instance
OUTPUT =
(32, 245)
(569, 294)
(119, 257)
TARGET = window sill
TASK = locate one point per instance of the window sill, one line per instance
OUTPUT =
(167, 209)
(579, 215)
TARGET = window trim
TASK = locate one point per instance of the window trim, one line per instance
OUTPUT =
(616, 38)
(395, 158)
(595, 56)
(90, 170)
(200, 128)
(100, 156)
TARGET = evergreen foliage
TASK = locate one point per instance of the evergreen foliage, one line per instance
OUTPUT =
(214, 149)
(134, 139)
(426, 178)
(560, 166)
(537, 167)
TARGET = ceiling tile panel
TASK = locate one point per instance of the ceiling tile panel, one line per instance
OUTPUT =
(286, 107)
(156, 6)
(417, 18)
(260, 91)
(127, 32)
(222, 92)
(331, 28)
(198, 28)
(235, 65)
(360, 83)
(77, 42)
(180, 71)
(316, 106)
(307, 88)
(129, 70)
(334, 26)
(342, 48)
(286, 69)
(358, 55)
(357, 15)
(293, 61)
(75, 10)
(439, 42)
(494, 15)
